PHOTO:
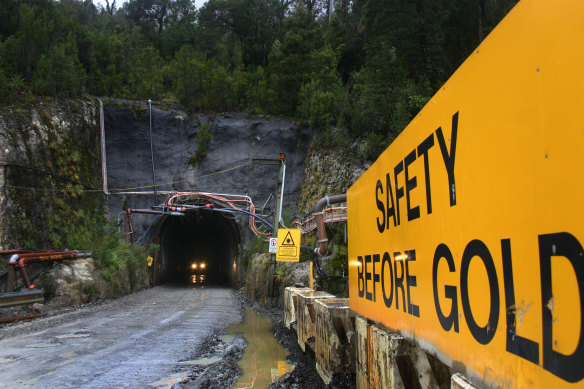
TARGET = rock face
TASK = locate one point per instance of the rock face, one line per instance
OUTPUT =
(72, 281)
(235, 140)
(48, 151)
(52, 146)
(330, 171)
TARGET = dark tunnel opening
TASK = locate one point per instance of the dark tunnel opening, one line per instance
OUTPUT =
(199, 248)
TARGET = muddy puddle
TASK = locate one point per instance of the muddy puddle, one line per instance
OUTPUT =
(263, 360)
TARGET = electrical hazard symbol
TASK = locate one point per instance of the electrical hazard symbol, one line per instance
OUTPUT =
(288, 245)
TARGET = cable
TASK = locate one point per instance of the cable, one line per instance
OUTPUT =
(125, 189)
(148, 229)
(267, 223)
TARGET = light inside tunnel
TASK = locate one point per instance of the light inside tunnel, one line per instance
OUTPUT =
(199, 248)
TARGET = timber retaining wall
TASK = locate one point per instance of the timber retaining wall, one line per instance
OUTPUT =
(341, 341)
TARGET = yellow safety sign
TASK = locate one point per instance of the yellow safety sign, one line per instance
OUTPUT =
(288, 245)
(282, 368)
(467, 233)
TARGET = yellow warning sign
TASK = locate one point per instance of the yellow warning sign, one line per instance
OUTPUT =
(467, 233)
(288, 245)
(281, 368)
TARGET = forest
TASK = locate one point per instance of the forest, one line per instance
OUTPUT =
(364, 65)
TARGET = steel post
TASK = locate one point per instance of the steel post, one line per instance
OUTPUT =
(278, 213)
(277, 217)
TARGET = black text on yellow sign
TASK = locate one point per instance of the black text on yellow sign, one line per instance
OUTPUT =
(467, 233)
(288, 245)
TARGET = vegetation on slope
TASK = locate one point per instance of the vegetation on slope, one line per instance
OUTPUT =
(366, 65)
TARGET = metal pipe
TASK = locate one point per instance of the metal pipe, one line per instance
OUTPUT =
(25, 317)
(149, 193)
(128, 226)
(147, 211)
(152, 153)
(103, 154)
(16, 251)
(319, 220)
(20, 261)
(25, 277)
(50, 256)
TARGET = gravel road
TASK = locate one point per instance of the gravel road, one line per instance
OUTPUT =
(134, 342)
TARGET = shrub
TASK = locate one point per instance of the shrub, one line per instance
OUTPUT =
(375, 144)
(204, 138)
(3, 86)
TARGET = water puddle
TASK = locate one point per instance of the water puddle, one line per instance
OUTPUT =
(263, 360)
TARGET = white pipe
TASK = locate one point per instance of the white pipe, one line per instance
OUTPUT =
(103, 155)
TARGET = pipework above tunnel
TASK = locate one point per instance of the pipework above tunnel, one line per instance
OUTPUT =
(199, 236)
(199, 246)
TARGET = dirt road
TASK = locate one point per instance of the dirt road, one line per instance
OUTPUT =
(133, 342)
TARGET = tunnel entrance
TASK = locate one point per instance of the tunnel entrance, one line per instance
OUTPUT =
(199, 247)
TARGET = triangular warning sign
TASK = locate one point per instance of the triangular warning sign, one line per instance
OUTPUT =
(288, 248)
(288, 241)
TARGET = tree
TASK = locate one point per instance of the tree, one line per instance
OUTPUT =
(59, 73)
(110, 9)
(254, 23)
(290, 64)
(148, 13)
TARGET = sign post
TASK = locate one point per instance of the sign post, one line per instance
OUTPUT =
(466, 234)
(278, 213)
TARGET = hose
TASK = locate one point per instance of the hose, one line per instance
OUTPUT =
(148, 229)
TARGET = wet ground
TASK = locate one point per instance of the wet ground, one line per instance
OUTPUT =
(137, 341)
(164, 337)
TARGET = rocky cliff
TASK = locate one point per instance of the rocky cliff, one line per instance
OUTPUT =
(225, 167)
(51, 166)
(49, 172)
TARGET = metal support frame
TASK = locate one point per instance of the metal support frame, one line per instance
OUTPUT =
(278, 214)
(18, 262)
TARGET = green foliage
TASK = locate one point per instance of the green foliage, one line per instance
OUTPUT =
(147, 74)
(257, 246)
(204, 138)
(3, 86)
(49, 285)
(339, 262)
(370, 67)
(125, 267)
(280, 272)
(258, 95)
(201, 83)
(374, 145)
(59, 73)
